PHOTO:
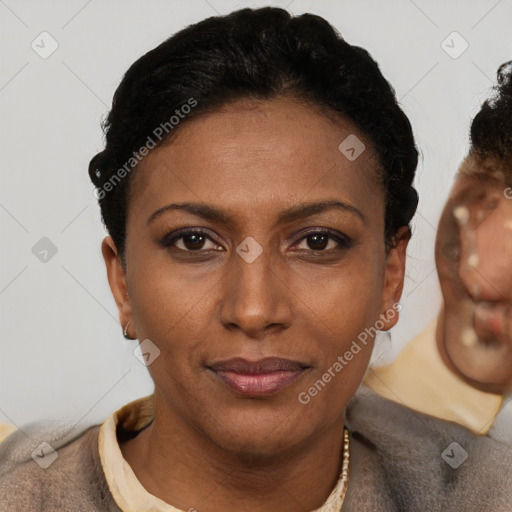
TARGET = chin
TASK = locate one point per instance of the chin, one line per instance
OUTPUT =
(259, 449)
(485, 364)
(258, 435)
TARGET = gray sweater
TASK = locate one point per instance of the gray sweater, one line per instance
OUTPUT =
(401, 460)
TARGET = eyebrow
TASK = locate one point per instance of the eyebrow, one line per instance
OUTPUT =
(289, 215)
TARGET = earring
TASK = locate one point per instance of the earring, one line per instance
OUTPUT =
(125, 332)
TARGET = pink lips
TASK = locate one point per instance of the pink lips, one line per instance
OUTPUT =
(258, 378)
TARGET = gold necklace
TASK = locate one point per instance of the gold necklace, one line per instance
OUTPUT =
(345, 465)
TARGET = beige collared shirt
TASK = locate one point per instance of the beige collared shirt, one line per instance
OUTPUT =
(419, 379)
(5, 430)
(128, 492)
(126, 489)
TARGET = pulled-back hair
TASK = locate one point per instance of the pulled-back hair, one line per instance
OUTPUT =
(260, 54)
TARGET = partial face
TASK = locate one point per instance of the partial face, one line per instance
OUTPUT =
(252, 236)
(474, 262)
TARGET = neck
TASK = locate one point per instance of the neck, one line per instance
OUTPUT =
(183, 467)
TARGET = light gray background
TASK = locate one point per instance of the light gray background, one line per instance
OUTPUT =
(62, 351)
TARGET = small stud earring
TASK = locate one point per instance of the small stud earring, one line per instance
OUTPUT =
(125, 332)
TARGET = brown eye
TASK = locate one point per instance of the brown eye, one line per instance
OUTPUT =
(324, 241)
(318, 242)
(193, 241)
(190, 241)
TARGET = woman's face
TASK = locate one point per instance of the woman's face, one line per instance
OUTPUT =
(266, 273)
(474, 262)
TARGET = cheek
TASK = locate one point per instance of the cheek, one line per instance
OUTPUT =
(168, 305)
(174, 314)
(342, 307)
(447, 258)
(339, 308)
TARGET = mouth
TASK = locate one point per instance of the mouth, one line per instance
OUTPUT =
(490, 320)
(264, 377)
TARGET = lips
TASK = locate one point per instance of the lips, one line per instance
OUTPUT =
(258, 378)
(490, 320)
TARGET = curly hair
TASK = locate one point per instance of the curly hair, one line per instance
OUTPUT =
(252, 53)
(491, 129)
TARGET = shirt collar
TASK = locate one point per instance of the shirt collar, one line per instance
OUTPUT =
(126, 489)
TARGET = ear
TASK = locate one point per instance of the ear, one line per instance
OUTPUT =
(394, 279)
(117, 280)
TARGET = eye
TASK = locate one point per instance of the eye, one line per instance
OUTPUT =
(191, 240)
(451, 251)
(320, 240)
(324, 240)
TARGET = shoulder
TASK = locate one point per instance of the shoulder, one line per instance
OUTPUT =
(43, 468)
(425, 463)
(6, 430)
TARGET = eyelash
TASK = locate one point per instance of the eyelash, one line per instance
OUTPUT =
(343, 241)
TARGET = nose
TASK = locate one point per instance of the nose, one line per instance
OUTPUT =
(256, 296)
(485, 265)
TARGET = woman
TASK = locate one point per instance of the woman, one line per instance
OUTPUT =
(256, 186)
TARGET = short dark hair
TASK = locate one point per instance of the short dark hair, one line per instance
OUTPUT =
(491, 129)
(254, 53)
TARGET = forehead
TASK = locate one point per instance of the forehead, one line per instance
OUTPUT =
(251, 151)
(476, 186)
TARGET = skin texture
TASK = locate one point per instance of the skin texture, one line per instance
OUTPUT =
(474, 264)
(209, 447)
